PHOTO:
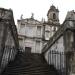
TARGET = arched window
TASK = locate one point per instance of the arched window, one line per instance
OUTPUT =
(54, 16)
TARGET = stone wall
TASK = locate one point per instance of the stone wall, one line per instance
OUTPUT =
(58, 46)
(8, 38)
(63, 41)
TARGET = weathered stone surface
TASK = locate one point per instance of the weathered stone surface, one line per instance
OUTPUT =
(67, 31)
(8, 37)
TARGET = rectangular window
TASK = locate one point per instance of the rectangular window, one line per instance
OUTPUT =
(21, 42)
(22, 25)
(37, 46)
(47, 35)
(38, 30)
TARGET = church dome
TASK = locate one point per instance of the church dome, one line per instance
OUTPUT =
(53, 8)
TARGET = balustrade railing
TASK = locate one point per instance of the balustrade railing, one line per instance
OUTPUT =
(8, 55)
(56, 59)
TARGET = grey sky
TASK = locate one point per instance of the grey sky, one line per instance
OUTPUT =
(38, 7)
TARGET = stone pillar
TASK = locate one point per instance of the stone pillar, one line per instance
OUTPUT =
(69, 40)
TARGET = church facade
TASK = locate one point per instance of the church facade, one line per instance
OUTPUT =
(33, 34)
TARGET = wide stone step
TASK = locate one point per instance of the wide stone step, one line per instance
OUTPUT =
(28, 64)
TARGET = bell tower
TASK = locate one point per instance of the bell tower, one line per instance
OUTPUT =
(53, 15)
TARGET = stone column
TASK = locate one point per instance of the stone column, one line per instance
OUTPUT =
(69, 50)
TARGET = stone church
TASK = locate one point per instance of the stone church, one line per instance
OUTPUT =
(34, 34)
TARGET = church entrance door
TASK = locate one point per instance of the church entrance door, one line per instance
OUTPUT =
(28, 49)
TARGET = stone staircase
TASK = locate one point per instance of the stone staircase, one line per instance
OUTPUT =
(29, 64)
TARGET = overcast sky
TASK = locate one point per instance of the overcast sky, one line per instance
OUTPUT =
(38, 7)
